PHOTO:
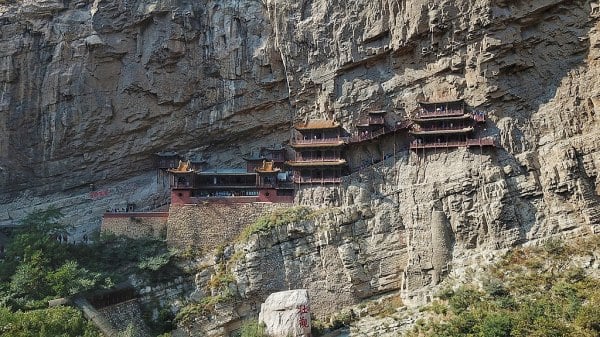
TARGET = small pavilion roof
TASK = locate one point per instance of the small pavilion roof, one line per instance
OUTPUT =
(183, 167)
(267, 167)
(317, 124)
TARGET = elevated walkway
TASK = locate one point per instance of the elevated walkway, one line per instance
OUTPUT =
(480, 142)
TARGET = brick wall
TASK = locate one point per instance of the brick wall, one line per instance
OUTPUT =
(135, 225)
(207, 225)
(126, 315)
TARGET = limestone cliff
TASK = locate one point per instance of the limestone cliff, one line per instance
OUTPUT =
(90, 90)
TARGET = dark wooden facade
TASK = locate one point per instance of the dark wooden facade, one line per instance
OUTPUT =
(261, 180)
(446, 125)
(318, 146)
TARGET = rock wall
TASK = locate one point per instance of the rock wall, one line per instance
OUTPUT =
(136, 225)
(89, 90)
(207, 225)
(223, 76)
(127, 318)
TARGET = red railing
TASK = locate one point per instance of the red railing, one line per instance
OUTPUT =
(371, 121)
(443, 128)
(319, 141)
(367, 135)
(364, 136)
(316, 180)
(467, 143)
(481, 142)
(440, 113)
(313, 159)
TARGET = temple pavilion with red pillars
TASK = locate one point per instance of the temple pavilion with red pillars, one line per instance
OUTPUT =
(446, 124)
(318, 146)
(191, 182)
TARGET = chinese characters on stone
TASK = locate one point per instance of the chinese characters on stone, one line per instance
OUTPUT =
(303, 316)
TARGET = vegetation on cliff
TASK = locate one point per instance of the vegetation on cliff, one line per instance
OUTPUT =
(274, 219)
(36, 268)
(533, 292)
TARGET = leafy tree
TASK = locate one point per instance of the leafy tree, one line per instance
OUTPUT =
(51, 322)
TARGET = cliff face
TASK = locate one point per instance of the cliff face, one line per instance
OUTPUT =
(91, 90)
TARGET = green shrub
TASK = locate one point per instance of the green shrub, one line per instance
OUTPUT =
(274, 219)
(531, 292)
(51, 322)
(252, 328)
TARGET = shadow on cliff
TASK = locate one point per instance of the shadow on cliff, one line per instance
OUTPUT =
(553, 41)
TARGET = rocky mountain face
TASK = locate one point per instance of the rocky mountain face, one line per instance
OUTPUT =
(90, 90)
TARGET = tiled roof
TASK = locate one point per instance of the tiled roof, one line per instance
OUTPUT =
(314, 124)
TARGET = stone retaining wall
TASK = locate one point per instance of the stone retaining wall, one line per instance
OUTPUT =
(135, 225)
(127, 318)
(207, 225)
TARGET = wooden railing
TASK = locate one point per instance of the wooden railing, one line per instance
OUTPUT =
(364, 136)
(444, 128)
(488, 141)
(440, 113)
(319, 159)
(317, 180)
(371, 121)
(319, 141)
(468, 143)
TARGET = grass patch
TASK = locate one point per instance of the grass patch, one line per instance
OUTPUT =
(274, 219)
(535, 291)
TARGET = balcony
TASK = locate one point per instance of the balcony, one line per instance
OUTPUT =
(481, 142)
(441, 130)
(371, 120)
(317, 180)
(318, 142)
(368, 135)
(317, 161)
(440, 113)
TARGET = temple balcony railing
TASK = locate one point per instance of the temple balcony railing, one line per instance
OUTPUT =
(319, 141)
(300, 159)
(443, 128)
(488, 141)
(368, 135)
(440, 113)
(317, 180)
(372, 120)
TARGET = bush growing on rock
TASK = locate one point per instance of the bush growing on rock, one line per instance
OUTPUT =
(531, 292)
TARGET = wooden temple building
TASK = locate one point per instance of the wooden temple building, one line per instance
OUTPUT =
(262, 180)
(446, 125)
(372, 125)
(318, 146)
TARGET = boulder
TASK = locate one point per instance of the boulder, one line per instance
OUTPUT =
(286, 313)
